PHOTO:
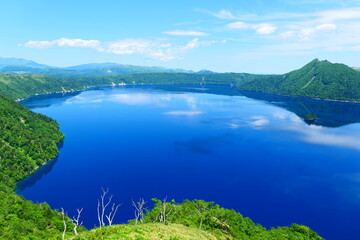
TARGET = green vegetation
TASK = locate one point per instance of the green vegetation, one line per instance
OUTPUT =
(19, 86)
(28, 140)
(196, 220)
(310, 116)
(317, 79)
(150, 231)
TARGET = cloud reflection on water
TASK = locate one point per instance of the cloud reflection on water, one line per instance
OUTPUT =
(316, 134)
(183, 113)
(193, 105)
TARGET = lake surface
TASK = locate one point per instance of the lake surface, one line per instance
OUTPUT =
(246, 151)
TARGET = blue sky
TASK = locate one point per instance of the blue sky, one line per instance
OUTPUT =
(257, 36)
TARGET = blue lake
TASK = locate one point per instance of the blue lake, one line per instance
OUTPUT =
(248, 151)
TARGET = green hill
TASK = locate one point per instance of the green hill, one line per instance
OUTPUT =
(196, 219)
(317, 79)
(27, 141)
(158, 231)
(19, 86)
(150, 231)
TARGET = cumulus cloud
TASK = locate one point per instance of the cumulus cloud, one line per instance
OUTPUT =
(302, 33)
(185, 33)
(153, 49)
(63, 42)
(299, 33)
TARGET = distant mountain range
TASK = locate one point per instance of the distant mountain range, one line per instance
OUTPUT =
(23, 66)
(4, 62)
(317, 79)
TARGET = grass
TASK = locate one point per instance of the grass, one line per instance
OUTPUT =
(150, 231)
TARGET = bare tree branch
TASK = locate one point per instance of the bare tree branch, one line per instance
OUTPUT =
(102, 206)
(139, 210)
(64, 221)
(76, 220)
(111, 215)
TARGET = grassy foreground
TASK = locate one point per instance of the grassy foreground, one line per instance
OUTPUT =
(150, 231)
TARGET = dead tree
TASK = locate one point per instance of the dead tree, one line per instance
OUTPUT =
(165, 211)
(64, 221)
(76, 220)
(112, 213)
(139, 210)
(102, 206)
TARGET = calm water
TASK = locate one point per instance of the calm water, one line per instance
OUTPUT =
(250, 152)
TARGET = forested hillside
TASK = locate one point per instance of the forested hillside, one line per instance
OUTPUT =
(28, 140)
(317, 79)
(19, 86)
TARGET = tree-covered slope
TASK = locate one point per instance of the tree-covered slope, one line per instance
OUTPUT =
(317, 79)
(19, 86)
(27, 141)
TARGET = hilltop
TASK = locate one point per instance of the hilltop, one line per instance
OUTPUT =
(317, 79)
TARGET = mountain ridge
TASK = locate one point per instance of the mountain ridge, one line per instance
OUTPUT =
(23, 66)
(317, 79)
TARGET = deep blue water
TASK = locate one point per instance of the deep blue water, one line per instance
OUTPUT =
(250, 152)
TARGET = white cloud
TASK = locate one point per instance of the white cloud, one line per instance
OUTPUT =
(63, 42)
(185, 33)
(309, 33)
(303, 33)
(264, 28)
(261, 28)
(224, 14)
(340, 14)
(153, 49)
(238, 25)
(326, 27)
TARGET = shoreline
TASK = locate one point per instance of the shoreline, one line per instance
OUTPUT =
(85, 88)
(312, 98)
